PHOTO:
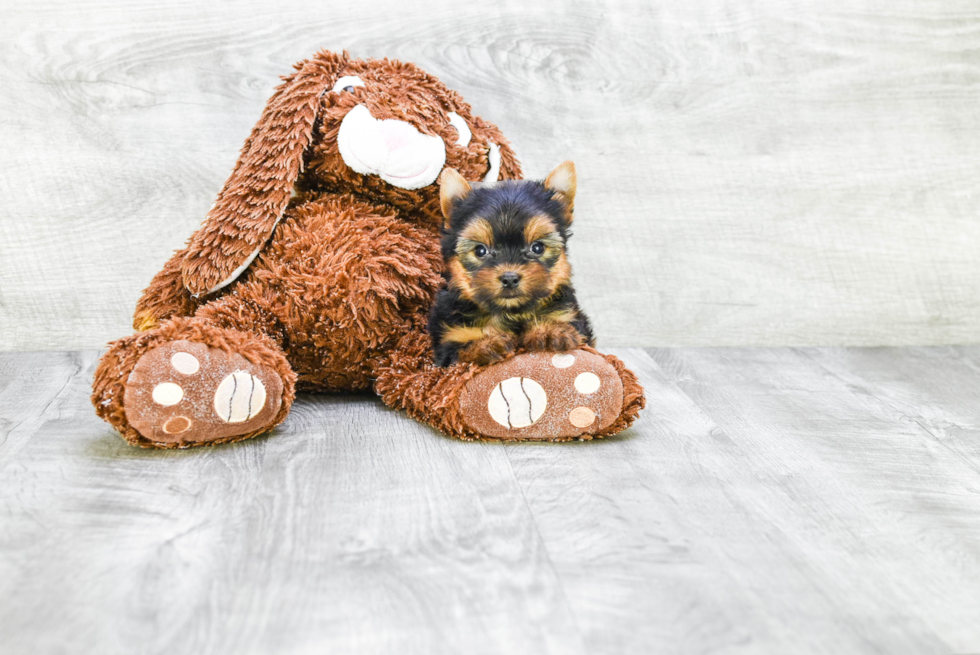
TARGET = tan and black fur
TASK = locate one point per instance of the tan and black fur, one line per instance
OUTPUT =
(508, 280)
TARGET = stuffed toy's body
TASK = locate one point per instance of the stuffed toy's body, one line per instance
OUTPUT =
(316, 269)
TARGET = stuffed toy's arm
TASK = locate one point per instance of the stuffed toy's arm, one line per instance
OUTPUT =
(165, 297)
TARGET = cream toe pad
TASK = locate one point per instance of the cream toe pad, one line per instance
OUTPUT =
(517, 402)
(562, 360)
(185, 363)
(239, 397)
(167, 394)
(587, 383)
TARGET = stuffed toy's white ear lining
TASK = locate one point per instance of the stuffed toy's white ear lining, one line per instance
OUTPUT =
(391, 149)
(494, 173)
(465, 135)
(241, 269)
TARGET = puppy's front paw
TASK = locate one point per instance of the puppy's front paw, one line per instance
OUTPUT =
(489, 349)
(552, 336)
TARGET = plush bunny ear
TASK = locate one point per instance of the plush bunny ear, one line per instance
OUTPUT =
(254, 198)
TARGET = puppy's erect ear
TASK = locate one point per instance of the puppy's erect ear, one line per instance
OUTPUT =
(452, 187)
(562, 182)
(254, 198)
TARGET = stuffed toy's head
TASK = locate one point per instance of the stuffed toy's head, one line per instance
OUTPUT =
(388, 129)
(378, 128)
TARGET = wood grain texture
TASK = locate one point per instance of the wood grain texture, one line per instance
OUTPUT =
(352, 530)
(758, 172)
(816, 500)
(848, 512)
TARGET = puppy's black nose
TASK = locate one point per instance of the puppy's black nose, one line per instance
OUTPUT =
(510, 279)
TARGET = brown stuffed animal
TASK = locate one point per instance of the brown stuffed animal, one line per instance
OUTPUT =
(315, 270)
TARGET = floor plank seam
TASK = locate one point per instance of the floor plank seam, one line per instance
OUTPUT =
(898, 410)
(11, 455)
(547, 551)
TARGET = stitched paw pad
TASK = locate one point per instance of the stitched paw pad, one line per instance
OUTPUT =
(543, 396)
(184, 392)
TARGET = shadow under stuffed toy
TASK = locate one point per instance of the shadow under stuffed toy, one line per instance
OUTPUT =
(315, 270)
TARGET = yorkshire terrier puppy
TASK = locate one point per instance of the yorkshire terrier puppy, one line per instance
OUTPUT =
(508, 280)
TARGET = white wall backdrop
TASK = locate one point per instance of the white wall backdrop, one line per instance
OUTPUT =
(752, 172)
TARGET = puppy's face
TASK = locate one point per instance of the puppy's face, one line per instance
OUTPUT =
(505, 244)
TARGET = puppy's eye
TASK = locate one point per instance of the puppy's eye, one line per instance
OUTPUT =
(348, 83)
(480, 251)
(537, 248)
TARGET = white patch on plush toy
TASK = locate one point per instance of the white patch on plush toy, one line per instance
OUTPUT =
(517, 402)
(494, 173)
(239, 397)
(464, 130)
(167, 394)
(391, 149)
(587, 383)
(185, 363)
(346, 81)
(562, 360)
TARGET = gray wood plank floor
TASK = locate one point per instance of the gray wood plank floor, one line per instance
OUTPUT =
(769, 501)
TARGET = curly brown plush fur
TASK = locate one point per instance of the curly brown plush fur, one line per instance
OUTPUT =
(347, 264)
(108, 389)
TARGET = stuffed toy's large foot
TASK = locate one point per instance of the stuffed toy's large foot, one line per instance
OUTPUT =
(189, 383)
(544, 396)
(532, 396)
(185, 392)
